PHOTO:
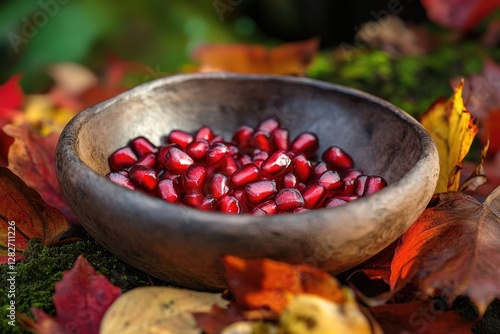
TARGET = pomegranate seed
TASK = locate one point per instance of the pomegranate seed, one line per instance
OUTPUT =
(195, 177)
(229, 204)
(261, 140)
(209, 203)
(197, 149)
(242, 137)
(302, 168)
(245, 160)
(314, 196)
(260, 155)
(347, 198)
(258, 162)
(216, 153)
(334, 202)
(177, 161)
(337, 158)
(167, 190)
(180, 138)
(244, 175)
(121, 180)
(266, 208)
(123, 172)
(218, 185)
(216, 139)
(240, 195)
(306, 143)
(229, 165)
(290, 181)
(359, 185)
(193, 198)
(352, 174)
(301, 186)
(280, 139)
(204, 133)
(259, 191)
(320, 169)
(142, 146)
(162, 153)
(331, 180)
(233, 149)
(289, 199)
(269, 125)
(143, 177)
(300, 210)
(148, 160)
(122, 158)
(276, 164)
(349, 186)
(367, 185)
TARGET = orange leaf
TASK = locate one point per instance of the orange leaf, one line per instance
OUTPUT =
(286, 59)
(454, 248)
(31, 157)
(32, 217)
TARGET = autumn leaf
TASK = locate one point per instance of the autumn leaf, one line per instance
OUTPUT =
(158, 310)
(420, 318)
(286, 59)
(31, 157)
(460, 15)
(11, 100)
(81, 299)
(453, 248)
(453, 129)
(32, 217)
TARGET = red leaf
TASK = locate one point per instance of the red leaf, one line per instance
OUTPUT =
(31, 157)
(11, 100)
(460, 15)
(420, 318)
(81, 299)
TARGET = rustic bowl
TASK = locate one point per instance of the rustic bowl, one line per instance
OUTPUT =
(183, 245)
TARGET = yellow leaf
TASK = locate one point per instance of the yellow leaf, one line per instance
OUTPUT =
(453, 129)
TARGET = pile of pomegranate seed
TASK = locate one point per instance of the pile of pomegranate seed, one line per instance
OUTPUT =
(259, 171)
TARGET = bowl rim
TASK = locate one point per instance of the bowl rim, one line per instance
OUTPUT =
(67, 151)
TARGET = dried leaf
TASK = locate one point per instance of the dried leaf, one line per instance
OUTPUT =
(453, 247)
(478, 176)
(158, 310)
(460, 15)
(453, 129)
(420, 318)
(379, 266)
(286, 59)
(31, 157)
(32, 216)
(11, 100)
(81, 299)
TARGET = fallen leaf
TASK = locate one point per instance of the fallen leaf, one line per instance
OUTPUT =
(32, 217)
(158, 310)
(31, 157)
(492, 130)
(420, 318)
(478, 176)
(286, 59)
(453, 129)
(379, 266)
(81, 299)
(11, 100)
(461, 15)
(219, 318)
(44, 117)
(453, 247)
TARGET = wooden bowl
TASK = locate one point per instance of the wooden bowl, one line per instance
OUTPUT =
(183, 245)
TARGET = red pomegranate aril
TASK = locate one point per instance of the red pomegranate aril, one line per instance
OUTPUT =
(367, 185)
(290, 181)
(302, 168)
(143, 177)
(229, 165)
(349, 187)
(216, 153)
(331, 180)
(266, 208)
(314, 195)
(167, 190)
(337, 158)
(300, 210)
(123, 172)
(204, 133)
(245, 159)
(242, 137)
(198, 149)
(258, 162)
(306, 143)
(335, 202)
(301, 186)
(359, 185)
(148, 160)
(121, 180)
(218, 185)
(352, 174)
(180, 138)
(347, 198)
(209, 203)
(142, 146)
(177, 161)
(269, 124)
(261, 140)
(276, 164)
(216, 139)
(195, 177)
(289, 199)
(193, 198)
(163, 150)
(280, 139)
(233, 149)
(320, 169)
(244, 175)
(229, 204)
(259, 191)
(122, 158)
(259, 155)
